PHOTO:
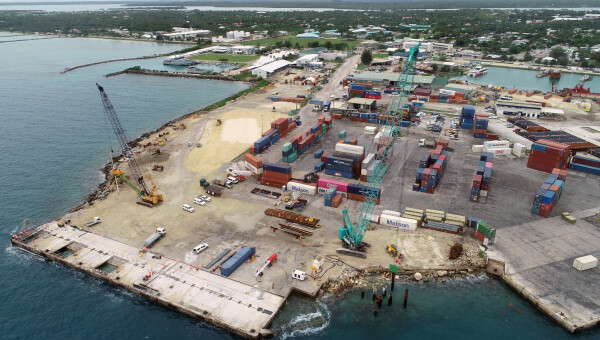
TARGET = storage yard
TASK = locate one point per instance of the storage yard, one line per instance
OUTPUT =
(299, 174)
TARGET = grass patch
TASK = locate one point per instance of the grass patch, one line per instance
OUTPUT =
(230, 57)
(380, 55)
(243, 76)
(258, 85)
(302, 42)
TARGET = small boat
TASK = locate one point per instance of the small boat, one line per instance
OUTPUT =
(196, 70)
(587, 77)
(555, 74)
(477, 71)
(179, 60)
(543, 73)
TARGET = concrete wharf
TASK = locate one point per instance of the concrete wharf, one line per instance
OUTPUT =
(538, 264)
(229, 304)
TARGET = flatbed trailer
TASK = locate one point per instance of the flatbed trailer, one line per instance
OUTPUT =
(291, 217)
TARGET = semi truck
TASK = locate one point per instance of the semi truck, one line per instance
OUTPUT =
(95, 221)
(160, 232)
(222, 183)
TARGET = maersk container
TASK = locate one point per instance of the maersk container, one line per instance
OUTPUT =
(240, 257)
(284, 169)
(398, 222)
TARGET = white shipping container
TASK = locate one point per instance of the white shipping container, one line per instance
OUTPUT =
(370, 130)
(377, 137)
(350, 149)
(391, 213)
(367, 161)
(496, 144)
(518, 152)
(303, 188)
(519, 147)
(477, 148)
(503, 151)
(585, 262)
(254, 169)
(364, 171)
(398, 222)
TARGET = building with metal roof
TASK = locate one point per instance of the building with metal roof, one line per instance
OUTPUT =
(268, 70)
(363, 103)
(391, 78)
(308, 36)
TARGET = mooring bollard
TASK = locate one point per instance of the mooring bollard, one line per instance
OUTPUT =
(390, 300)
(362, 294)
(405, 298)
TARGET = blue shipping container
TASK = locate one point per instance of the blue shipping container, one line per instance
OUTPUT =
(320, 166)
(548, 197)
(339, 161)
(338, 173)
(585, 168)
(337, 167)
(538, 147)
(284, 169)
(360, 190)
(233, 263)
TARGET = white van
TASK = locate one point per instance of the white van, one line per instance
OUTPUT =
(506, 98)
(199, 248)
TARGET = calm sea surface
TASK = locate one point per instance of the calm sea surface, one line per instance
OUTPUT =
(54, 140)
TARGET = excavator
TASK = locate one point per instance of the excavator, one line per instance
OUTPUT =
(148, 197)
(350, 234)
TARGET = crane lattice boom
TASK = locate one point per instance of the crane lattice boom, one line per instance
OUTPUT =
(353, 235)
(111, 114)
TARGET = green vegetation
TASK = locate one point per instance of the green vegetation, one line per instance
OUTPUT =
(337, 44)
(226, 57)
(378, 55)
(243, 76)
(366, 57)
(258, 85)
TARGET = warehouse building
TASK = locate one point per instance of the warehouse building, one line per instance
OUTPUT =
(385, 78)
(307, 59)
(243, 49)
(268, 70)
(520, 109)
(363, 104)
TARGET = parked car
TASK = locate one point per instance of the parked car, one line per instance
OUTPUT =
(199, 201)
(510, 125)
(204, 198)
(199, 248)
(233, 179)
(188, 208)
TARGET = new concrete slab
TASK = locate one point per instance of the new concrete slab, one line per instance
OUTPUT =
(542, 265)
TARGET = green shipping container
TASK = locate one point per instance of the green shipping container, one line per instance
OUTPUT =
(342, 134)
(286, 147)
(485, 229)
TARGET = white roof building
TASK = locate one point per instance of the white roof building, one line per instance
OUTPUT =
(268, 70)
(307, 59)
(243, 49)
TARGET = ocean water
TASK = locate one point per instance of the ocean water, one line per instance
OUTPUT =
(54, 140)
(526, 80)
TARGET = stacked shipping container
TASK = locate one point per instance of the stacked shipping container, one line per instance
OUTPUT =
(549, 193)
(546, 155)
(431, 168)
(253, 164)
(354, 192)
(279, 129)
(482, 178)
(466, 116)
(276, 175)
(585, 164)
(481, 125)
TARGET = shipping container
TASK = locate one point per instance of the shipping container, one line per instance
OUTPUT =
(585, 262)
(237, 260)
(350, 149)
(329, 183)
(302, 188)
(272, 167)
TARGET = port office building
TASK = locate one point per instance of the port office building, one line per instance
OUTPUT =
(520, 109)
(385, 78)
(269, 69)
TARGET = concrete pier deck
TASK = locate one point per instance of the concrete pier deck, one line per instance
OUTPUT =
(538, 259)
(232, 305)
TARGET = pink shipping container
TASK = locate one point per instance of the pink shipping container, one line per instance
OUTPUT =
(330, 183)
(488, 164)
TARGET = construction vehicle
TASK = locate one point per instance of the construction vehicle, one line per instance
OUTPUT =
(393, 250)
(426, 144)
(181, 126)
(160, 232)
(268, 263)
(287, 198)
(147, 196)
(236, 173)
(158, 167)
(352, 235)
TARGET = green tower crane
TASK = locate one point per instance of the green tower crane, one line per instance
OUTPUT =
(350, 234)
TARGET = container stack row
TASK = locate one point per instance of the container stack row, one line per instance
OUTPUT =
(467, 115)
(482, 178)
(301, 143)
(431, 168)
(590, 164)
(363, 90)
(355, 192)
(346, 160)
(279, 129)
(546, 155)
(481, 125)
(549, 193)
(276, 175)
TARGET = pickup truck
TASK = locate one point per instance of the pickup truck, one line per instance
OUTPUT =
(95, 221)
(160, 232)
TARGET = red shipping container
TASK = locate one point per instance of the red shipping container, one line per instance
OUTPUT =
(545, 210)
(353, 141)
(539, 167)
(272, 183)
(291, 126)
(441, 143)
(555, 171)
(252, 151)
(363, 178)
(562, 175)
(336, 200)
(485, 186)
(479, 236)
(360, 198)
(492, 136)
(282, 133)
(278, 176)
(430, 190)
(481, 131)
(256, 176)
(336, 116)
(324, 156)
(557, 145)
(321, 120)
(364, 120)
(253, 160)
(555, 188)
(442, 158)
